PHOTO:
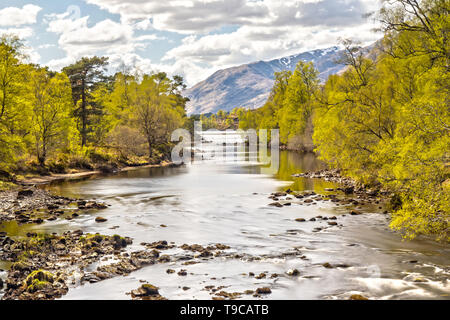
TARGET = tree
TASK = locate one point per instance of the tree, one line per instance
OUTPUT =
(85, 76)
(13, 101)
(176, 90)
(386, 121)
(297, 108)
(51, 119)
(151, 105)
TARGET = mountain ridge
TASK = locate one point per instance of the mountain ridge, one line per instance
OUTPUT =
(249, 85)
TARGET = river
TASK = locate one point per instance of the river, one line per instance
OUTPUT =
(207, 203)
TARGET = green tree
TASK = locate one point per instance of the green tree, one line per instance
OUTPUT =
(153, 109)
(13, 101)
(51, 106)
(85, 76)
(387, 120)
(297, 108)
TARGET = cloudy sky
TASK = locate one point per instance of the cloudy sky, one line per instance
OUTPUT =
(192, 38)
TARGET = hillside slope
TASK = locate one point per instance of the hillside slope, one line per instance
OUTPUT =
(249, 85)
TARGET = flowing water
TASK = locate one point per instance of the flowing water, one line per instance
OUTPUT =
(207, 203)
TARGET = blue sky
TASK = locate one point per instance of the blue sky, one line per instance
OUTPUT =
(193, 38)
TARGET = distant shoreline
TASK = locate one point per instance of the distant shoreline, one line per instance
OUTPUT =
(42, 180)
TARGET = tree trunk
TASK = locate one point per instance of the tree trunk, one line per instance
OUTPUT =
(150, 152)
(83, 115)
(42, 156)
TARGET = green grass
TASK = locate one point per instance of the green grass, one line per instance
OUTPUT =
(5, 186)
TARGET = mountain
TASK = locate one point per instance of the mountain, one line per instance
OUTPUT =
(249, 85)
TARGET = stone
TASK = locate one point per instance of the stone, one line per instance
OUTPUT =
(357, 297)
(100, 219)
(182, 273)
(276, 204)
(264, 290)
(293, 272)
(25, 193)
(60, 246)
(261, 276)
(145, 290)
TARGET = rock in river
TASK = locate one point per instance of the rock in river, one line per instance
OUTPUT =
(293, 272)
(264, 290)
(25, 193)
(276, 204)
(357, 297)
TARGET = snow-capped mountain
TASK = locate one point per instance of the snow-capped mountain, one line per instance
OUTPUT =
(249, 85)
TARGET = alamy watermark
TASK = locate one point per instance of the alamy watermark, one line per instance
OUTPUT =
(228, 146)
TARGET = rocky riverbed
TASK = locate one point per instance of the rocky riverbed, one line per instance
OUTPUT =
(347, 185)
(35, 205)
(226, 236)
(46, 266)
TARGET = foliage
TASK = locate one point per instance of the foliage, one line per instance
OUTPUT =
(82, 118)
(50, 117)
(387, 121)
(13, 102)
(289, 107)
(86, 75)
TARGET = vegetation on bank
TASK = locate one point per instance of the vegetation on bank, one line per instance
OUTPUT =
(222, 120)
(289, 108)
(385, 121)
(82, 118)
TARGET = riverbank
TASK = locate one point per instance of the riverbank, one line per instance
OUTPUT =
(316, 243)
(348, 185)
(25, 202)
(46, 179)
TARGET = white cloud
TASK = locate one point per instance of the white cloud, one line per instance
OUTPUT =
(249, 44)
(265, 29)
(31, 55)
(107, 38)
(185, 16)
(13, 16)
(22, 33)
(202, 16)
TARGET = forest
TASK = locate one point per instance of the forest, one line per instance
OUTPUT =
(81, 117)
(385, 121)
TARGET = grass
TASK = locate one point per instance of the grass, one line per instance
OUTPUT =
(5, 186)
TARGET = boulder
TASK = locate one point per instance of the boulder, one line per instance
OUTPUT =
(264, 290)
(25, 193)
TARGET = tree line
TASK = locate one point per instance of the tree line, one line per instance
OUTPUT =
(385, 120)
(81, 116)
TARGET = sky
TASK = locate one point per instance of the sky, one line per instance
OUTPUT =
(191, 38)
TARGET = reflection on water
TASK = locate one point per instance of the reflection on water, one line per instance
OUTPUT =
(292, 163)
(208, 203)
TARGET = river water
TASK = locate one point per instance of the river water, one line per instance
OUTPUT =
(208, 202)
